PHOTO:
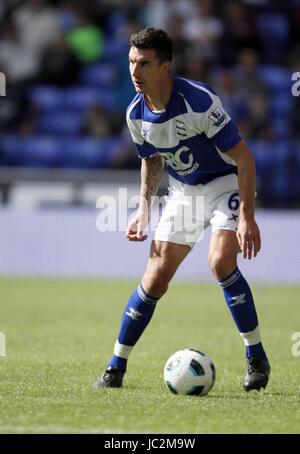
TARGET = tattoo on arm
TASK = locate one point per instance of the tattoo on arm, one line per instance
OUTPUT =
(151, 173)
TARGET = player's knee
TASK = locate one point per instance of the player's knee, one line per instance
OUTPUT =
(221, 264)
(156, 283)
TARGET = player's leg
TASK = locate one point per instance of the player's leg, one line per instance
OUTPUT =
(223, 252)
(162, 264)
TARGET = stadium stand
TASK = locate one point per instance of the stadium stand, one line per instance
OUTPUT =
(47, 123)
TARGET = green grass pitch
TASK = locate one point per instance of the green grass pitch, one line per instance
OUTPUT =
(60, 334)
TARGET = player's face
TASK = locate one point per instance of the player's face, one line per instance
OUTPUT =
(146, 70)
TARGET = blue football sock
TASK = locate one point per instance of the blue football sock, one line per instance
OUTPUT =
(137, 315)
(240, 302)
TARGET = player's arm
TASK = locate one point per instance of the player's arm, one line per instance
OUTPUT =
(151, 173)
(248, 234)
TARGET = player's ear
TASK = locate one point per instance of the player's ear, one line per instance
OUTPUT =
(166, 67)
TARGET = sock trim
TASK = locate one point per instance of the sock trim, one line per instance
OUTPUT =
(251, 337)
(231, 279)
(121, 350)
(145, 297)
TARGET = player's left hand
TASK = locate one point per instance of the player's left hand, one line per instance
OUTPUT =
(248, 236)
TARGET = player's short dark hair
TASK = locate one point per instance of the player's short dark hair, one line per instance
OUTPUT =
(156, 39)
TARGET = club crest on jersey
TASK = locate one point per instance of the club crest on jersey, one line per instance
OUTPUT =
(217, 117)
(180, 128)
(145, 133)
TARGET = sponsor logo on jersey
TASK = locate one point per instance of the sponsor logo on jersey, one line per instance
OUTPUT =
(174, 160)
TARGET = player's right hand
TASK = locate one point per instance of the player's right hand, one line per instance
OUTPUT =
(137, 226)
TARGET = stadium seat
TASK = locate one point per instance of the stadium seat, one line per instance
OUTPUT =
(280, 104)
(271, 156)
(47, 151)
(60, 122)
(282, 154)
(273, 164)
(281, 127)
(46, 97)
(113, 49)
(273, 29)
(275, 77)
(297, 155)
(87, 152)
(282, 185)
(81, 98)
(99, 75)
(31, 151)
(115, 21)
(41, 151)
(263, 154)
(11, 150)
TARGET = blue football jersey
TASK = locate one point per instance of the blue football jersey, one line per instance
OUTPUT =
(192, 133)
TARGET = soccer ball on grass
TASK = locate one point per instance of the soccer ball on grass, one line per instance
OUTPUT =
(189, 372)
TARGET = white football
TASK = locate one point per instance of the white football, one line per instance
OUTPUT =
(189, 372)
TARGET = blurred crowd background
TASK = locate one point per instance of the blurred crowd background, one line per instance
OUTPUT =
(68, 85)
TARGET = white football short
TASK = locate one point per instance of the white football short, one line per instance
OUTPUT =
(190, 209)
